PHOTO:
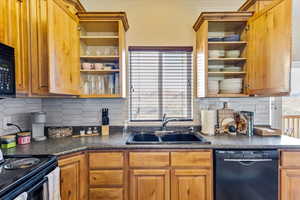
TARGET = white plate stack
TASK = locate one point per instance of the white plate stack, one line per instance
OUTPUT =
(213, 87)
(231, 86)
(232, 69)
(215, 68)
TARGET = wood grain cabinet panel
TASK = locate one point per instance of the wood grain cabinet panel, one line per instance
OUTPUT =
(270, 50)
(22, 46)
(104, 160)
(191, 184)
(64, 51)
(290, 159)
(39, 47)
(290, 181)
(73, 178)
(150, 184)
(191, 159)
(105, 194)
(14, 31)
(149, 159)
(106, 177)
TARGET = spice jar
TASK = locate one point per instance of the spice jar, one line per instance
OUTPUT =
(24, 138)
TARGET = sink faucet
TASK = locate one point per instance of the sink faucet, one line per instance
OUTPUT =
(165, 121)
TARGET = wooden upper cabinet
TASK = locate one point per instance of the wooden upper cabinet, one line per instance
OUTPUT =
(254, 5)
(150, 184)
(63, 45)
(211, 28)
(269, 55)
(102, 41)
(191, 184)
(73, 177)
(264, 45)
(14, 32)
(39, 50)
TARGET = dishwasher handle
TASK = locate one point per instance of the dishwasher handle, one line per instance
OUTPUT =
(247, 162)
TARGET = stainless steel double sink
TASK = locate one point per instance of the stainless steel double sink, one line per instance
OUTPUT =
(166, 138)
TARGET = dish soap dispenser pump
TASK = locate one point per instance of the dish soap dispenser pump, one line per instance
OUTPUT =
(105, 122)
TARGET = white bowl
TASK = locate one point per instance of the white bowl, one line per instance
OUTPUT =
(232, 54)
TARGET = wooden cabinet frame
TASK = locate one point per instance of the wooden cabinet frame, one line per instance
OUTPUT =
(267, 39)
(75, 166)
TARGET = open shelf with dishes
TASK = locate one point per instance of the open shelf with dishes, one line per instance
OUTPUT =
(222, 42)
(102, 55)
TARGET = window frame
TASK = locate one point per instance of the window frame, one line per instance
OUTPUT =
(161, 49)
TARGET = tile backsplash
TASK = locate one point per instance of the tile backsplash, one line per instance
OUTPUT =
(87, 112)
(83, 112)
(260, 106)
(18, 110)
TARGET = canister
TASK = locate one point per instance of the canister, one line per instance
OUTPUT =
(24, 138)
(8, 141)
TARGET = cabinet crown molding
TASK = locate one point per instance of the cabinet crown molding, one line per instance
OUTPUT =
(229, 16)
(248, 4)
(77, 4)
(94, 16)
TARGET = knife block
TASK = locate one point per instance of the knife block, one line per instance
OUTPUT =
(105, 130)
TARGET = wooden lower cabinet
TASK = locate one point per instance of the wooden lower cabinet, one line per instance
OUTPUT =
(107, 176)
(106, 194)
(178, 175)
(121, 175)
(150, 184)
(290, 174)
(290, 181)
(191, 184)
(73, 177)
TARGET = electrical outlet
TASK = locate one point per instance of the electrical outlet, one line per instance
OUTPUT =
(5, 121)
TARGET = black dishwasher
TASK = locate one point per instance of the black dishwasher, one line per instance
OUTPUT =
(246, 175)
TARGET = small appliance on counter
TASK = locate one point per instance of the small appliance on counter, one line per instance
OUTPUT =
(28, 174)
(105, 122)
(7, 71)
(38, 126)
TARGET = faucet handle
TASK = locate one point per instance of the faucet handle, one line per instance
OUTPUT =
(164, 117)
(191, 129)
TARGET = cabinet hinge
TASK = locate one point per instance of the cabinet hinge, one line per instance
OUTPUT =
(78, 28)
(247, 28)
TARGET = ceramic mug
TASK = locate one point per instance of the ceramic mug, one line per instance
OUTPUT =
(87, 66)
(99, 66)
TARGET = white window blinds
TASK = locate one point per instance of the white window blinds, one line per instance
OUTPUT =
(160, 83)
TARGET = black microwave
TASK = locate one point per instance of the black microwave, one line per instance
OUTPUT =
(7, 71)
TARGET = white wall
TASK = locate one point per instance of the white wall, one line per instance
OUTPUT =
(296, 30)
(170, 22)
(161, 22)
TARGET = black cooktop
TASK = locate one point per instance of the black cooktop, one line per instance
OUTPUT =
(11, 178)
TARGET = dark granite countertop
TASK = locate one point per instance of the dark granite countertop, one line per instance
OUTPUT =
(117, 141)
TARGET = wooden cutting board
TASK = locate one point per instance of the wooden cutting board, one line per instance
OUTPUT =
(267, 131)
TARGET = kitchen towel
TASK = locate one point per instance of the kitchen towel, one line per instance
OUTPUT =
(208, 121)
(52, 188)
